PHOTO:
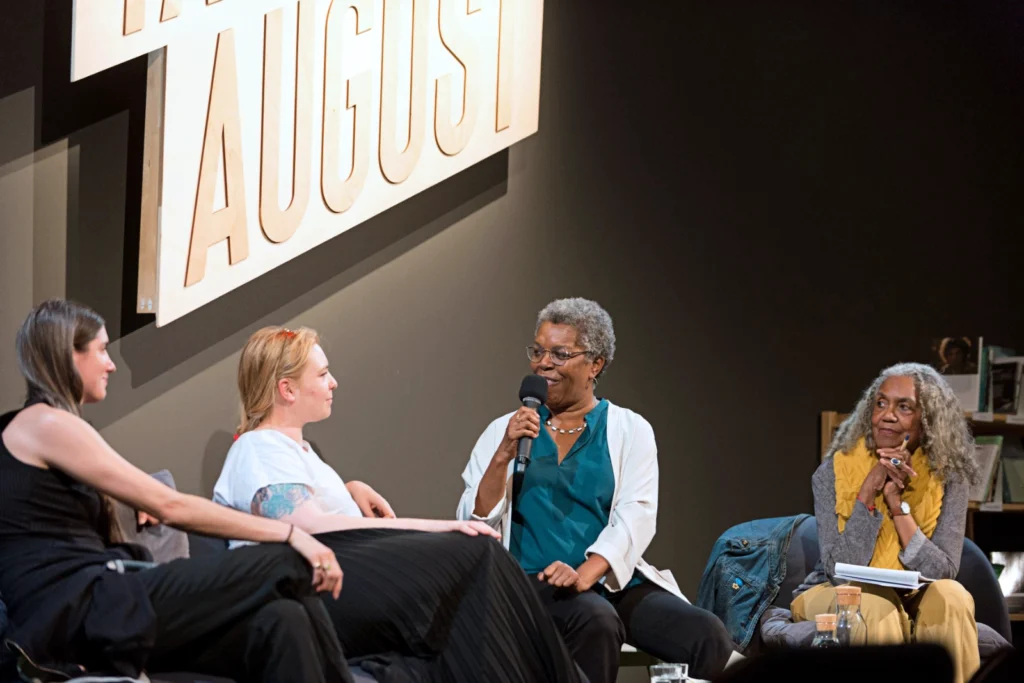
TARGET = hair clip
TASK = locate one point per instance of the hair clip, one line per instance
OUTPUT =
(287, 333)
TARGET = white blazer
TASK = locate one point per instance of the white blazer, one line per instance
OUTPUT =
(634, 513)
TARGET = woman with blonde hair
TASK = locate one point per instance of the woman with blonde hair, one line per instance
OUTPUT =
(416, 606)
(252, 616)
(892, 493)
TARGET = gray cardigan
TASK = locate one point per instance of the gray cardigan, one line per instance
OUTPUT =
(935, 558)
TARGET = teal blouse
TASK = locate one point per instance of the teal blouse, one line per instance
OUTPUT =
(563, 508)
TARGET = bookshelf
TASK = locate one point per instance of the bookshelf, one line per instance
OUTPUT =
(990, 418)
(1007, 507)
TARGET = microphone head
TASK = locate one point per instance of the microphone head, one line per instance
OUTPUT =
(535, 387)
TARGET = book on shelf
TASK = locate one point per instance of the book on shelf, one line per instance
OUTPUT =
(959, 360)
(893, 578)
(995, 498)
(986, 454)
(1004, 380)
(1011, 456)
(1013, 480)
(1015, 603)
(990, 353)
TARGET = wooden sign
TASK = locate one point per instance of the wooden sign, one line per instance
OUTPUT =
(275, 125)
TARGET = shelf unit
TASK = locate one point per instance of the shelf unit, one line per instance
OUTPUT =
(1007, 507)
(990, 418)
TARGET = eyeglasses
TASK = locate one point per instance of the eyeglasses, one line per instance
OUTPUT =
(559, 356)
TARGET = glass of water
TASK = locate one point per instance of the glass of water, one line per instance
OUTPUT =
(668, 673)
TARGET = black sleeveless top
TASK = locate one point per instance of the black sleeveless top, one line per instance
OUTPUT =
(40, 503)
(65, 606)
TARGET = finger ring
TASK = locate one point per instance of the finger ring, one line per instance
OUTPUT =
(327, 566)
(896, 462)
(316, 565)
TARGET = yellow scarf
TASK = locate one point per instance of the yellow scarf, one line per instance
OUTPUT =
(923, 493)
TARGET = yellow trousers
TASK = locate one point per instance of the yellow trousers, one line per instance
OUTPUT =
(942, 612)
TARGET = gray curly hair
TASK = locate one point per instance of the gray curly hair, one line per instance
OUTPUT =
(592, 323)
(946, 438)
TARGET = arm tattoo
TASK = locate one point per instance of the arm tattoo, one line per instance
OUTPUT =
(279, 500)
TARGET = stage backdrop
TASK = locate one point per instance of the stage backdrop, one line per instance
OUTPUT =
(773, 199)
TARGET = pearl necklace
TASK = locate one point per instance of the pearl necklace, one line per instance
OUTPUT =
(566, 431)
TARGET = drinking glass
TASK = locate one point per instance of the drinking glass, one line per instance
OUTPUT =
(668, 673)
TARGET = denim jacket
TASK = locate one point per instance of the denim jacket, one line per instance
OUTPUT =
(743, 574)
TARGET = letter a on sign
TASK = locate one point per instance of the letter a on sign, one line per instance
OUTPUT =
(223, 135)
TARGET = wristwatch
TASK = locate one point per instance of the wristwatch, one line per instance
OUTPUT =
(903, 509)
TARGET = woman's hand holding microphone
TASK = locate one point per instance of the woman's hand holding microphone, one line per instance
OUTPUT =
(525, 423)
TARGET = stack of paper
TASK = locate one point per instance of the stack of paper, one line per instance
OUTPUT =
(893, 578)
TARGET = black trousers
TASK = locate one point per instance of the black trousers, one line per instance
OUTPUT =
(647, 617)
(442, 608)
(249, 614)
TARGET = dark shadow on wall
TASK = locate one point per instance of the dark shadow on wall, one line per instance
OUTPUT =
(213, 460)
(99, 242)
(150, 352)
(110, 168)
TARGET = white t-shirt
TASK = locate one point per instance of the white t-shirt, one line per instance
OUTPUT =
(265, 457)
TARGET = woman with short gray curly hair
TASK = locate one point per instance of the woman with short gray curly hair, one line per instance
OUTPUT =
(592, 323)
(586, 507)
(892, 493)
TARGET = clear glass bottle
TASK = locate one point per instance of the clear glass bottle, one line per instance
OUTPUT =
(825, 636)
(851, 629)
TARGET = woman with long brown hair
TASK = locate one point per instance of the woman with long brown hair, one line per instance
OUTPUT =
(251, 615)
(417, 606)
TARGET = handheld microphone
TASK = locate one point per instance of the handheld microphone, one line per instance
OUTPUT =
(533, 392)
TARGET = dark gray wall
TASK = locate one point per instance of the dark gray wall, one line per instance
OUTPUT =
(773, 200)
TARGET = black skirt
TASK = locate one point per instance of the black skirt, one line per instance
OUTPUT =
(439, 607)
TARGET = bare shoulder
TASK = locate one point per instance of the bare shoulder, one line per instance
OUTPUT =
(25, 436)
(46, 420)
(36, 416)
(40, 431)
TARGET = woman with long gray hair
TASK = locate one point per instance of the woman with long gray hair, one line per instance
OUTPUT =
(892, 493)
(587, 507)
